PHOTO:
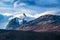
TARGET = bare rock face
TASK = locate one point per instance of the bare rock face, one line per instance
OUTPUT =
(43, 23)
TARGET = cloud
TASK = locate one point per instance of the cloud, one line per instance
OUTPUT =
(53, 12)
(32, 2)
(7, 14)
(39, 2)
(21, 4)
(21, 16)
(7, 0)
(42, 2)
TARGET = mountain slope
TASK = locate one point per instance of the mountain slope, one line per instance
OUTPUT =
(43, 23)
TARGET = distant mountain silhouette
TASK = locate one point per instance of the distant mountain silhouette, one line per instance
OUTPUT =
(44, 23)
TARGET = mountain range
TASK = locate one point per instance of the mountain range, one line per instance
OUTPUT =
(43, 23)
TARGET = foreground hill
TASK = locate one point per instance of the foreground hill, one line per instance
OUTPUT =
(43, 23)
(28, 35)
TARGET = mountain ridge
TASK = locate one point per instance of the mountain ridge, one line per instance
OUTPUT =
(43, 23)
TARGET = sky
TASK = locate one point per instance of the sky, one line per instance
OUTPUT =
(32, 8)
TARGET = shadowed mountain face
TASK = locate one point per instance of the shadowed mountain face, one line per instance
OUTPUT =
(14, 23)
(43, 23)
